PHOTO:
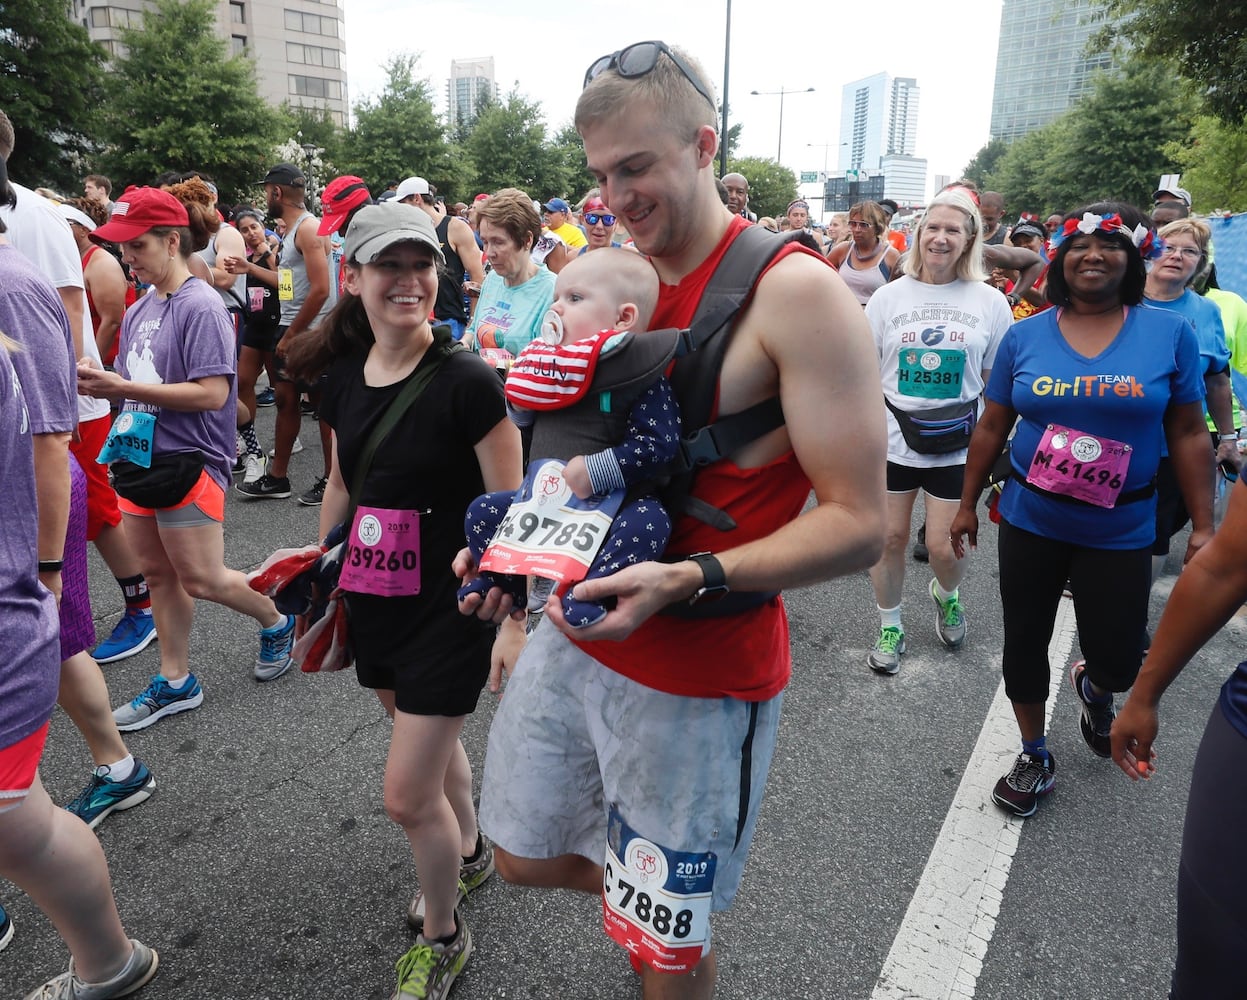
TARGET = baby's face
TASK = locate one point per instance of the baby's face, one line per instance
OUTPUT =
(585, 301)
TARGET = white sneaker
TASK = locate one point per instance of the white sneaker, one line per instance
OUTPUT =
(294, 450)
(254, 466)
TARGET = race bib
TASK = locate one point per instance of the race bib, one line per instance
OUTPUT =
(656, 901)
(927, 373)
(498, 357)
(285, 284)
(130, 439)
(1079, 465)
(255, 295)
(549, 531)
(382, 553)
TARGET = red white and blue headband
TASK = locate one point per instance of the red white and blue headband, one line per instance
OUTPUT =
(1141, 237)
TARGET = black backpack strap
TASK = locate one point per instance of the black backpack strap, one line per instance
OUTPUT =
(443, 347)
(699, 360)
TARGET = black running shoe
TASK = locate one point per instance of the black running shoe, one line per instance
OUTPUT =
(920, 547)
(266, 488)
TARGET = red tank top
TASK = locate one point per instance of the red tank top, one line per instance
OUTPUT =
(744, 656)
(131, 298)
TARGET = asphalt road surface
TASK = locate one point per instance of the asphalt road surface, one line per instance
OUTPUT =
(265, 866)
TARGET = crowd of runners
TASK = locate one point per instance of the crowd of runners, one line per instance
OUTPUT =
(569, 449)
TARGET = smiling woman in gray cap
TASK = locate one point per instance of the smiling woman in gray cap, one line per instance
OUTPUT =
(404, 517)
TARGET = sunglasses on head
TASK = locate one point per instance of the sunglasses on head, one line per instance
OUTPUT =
(593, 218)
(641, 58)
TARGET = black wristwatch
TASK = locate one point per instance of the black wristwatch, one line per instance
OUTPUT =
(714, 580)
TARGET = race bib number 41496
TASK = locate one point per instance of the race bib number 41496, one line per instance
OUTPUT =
(656, 901)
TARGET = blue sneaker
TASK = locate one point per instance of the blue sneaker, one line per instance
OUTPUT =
(266, 397)
(157, 701)
(103, 795)
(133, 634)
(6, 929)
(276, 647)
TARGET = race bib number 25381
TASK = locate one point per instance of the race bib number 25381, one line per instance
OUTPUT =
(656, 901)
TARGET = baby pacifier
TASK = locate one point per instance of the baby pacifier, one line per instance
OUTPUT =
(551, 328)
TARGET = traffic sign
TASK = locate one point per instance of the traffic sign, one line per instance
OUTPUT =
(809, 176)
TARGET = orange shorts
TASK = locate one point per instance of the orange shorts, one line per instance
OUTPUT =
(18, 765)
(204, 504)
(102, 506)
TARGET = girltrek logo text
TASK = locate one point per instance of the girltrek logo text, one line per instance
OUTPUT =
(1089, 386)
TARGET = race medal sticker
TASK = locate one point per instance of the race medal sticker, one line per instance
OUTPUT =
(927, 373)
(1076, 464)
(549, 531)
(130, 439)
(382, 553)
(656, 901)
(285, 284)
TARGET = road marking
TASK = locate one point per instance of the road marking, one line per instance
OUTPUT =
(938, 952)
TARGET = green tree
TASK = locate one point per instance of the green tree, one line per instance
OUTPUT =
(1208, 41)
(1213, 163)
(396, 133)
(1111, 145)
(985, 162)
(509, 147)
(51, 82)
(570, 150)
(176, 101)
(771, 185)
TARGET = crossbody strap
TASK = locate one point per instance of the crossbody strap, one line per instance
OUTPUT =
(444, 346)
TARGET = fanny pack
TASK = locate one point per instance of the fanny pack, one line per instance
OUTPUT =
(940, 430)
(165, 484)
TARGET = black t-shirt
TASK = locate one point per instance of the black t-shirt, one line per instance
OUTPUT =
(426, 463)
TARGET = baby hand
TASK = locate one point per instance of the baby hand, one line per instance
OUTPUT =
(576, 473)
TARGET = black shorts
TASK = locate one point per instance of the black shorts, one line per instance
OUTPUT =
(261, 336)
(943, 482)
(443, 677)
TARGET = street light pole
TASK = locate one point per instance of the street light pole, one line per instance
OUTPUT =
(779, 146)
(727, 59)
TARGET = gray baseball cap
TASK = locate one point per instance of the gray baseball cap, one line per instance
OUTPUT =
(378, 227)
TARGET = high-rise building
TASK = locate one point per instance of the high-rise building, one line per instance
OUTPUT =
(471, 84)
(878, 117)
(299, 46)
(1042, 62)
(878, 135)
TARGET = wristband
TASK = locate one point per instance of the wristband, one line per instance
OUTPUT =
(51, 565)
(1227, 437)
(714, 581)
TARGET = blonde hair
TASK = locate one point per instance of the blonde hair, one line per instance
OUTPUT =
(629, 276)
(970, 266)
(665, 88)
(1196, 229)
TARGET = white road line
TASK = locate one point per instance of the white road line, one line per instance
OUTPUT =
(939, 950)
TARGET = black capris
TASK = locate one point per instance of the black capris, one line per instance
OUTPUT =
(1212, 878)
(1110, 588)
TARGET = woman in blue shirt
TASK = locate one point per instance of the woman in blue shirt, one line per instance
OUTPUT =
(1098, 384)
(517, 291)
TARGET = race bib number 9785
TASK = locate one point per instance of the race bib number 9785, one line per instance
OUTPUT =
(656, 901)
(548, 530)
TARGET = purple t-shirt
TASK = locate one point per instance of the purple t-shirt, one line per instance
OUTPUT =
(30, 656)
(32, 314)
(187, 336)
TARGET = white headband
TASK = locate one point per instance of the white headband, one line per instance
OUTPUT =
(76, 215)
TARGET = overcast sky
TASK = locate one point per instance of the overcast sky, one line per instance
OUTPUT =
(544, 46)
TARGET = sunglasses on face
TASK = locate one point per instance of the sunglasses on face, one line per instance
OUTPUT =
(641, 58)
(593, 218)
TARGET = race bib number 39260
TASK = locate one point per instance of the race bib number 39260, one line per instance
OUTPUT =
(656, 901)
